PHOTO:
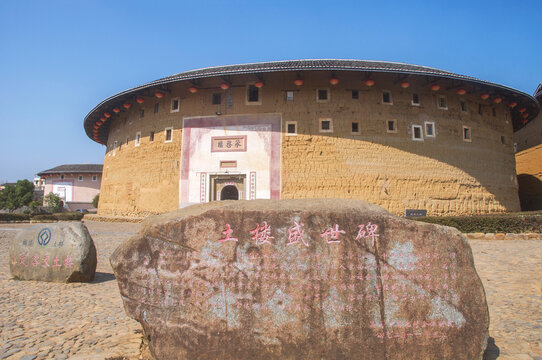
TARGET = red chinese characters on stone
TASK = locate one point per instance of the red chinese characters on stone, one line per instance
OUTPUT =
(23, 257)
(332, 234)
(55, 262)
(227, 234)
(368, 231)
(262, 234)
(35, 260)
(296, 234)
(68, 262)
(45, 261)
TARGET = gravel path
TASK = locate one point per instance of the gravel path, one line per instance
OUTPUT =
(87, 321)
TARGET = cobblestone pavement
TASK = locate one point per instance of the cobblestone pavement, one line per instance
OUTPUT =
(87, 321)
(511, 271)
(67, 321)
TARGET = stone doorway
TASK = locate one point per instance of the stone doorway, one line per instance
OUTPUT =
(227, 187)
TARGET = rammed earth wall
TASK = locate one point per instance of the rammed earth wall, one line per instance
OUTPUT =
(443, 174)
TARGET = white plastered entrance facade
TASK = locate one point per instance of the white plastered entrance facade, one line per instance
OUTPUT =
(229, 156)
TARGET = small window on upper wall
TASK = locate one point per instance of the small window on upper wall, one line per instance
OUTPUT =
(217, 98)
(355, 128)
(326, 125)
(115, 144)
(503, 140)
(467, 136)
(494, 111)
(62, 177)
(392, 126)
(141, 113)
(463, 105)
(253, 95)
(156, 107)
(429, 129)
(442, 103)
(94, 177)
(515, 147)
(355, 94)
(415, 99)
(480, 109)
(417, 133)
(291, 128)
(175, 104)
(151, 136)
(386, 97)
(322, 95)
(80, 178)
(138, 138)
(289, 95)
(169, 134)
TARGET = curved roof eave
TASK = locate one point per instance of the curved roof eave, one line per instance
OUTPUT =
(305, 65)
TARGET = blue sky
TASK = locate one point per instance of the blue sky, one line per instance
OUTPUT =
(59, 59)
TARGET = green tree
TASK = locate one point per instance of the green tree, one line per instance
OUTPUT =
(13, 197)
(96, 200)
(53, 201)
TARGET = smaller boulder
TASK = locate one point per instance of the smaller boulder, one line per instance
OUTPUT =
(61, 252)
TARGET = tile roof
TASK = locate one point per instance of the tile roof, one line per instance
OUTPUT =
(74, 168)
(295, 65)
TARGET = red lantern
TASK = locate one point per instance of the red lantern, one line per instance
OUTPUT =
(127, 105)
(405, 84)
(522, 110)
(369, 82)
(461, 91)
(333, 81)
(116, 110)
(107, 115)
(140, 100)
(497, 100)
(512, 104)
(224, 86)
(298, 82)
(525, 115)
(258, 84)
(484, 96)
(99, 123)
(524, 121)
(435, 87)
(193, 89)
(159, 94)
(103, 119)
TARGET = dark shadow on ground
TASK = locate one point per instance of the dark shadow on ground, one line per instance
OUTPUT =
(101, 277)
(492, 350)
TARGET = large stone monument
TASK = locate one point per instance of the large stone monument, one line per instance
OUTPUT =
(61, 252)
(301, 279)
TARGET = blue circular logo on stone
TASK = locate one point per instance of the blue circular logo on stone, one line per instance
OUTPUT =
(44, 237)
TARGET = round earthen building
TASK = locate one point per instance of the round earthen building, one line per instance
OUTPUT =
(397, 135)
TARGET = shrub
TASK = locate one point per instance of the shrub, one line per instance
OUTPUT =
(67, 216)
(508, 223)
(53, 201)
(41, 217)
(96, 200)
(34, 204)
(14, 217)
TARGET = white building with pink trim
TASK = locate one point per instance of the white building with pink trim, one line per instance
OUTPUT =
(75, 184)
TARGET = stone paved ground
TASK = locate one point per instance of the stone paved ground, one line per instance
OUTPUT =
(511, 271)
(67, 321)
(87, 321)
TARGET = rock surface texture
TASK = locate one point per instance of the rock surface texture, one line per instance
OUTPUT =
(61, 252)
(301, 279)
